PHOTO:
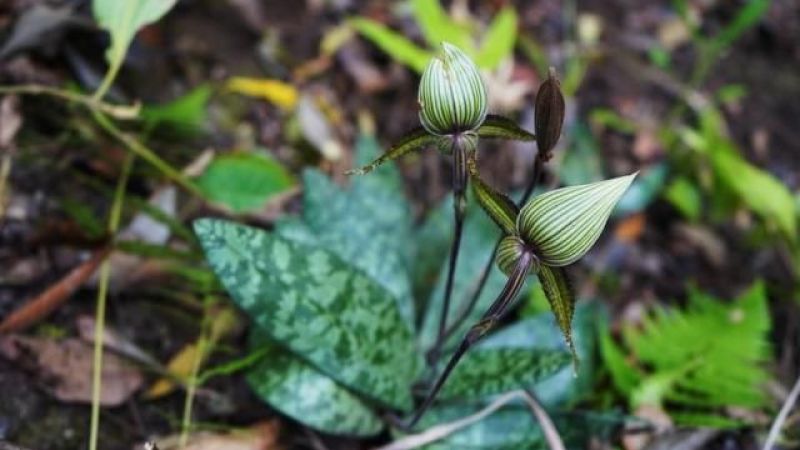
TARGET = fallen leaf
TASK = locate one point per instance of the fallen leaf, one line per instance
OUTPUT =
(112, 340)
(261, 436)
(182, 363)
(629, 229)
(317, 129)
(278, 92)
(39, 307)
(64, 368)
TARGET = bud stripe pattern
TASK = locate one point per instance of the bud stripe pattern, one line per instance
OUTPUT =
(562, 225)
(452, 95)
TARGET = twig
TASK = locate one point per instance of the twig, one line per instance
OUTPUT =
(124, 112)
(100, 315)
(43, 304)
(775, 429)
(193, 381)
(548, 428)
(438, 432)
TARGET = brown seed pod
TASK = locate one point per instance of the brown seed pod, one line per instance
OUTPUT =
(549, 111)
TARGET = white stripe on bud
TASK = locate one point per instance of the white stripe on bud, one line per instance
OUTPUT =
(452, 95)
(562, 225)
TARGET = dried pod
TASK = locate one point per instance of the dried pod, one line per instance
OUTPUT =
(508, 253)
(452, 96)
(549, 114)
(562, 225)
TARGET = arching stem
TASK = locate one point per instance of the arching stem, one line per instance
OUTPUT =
(538, 169)
(489, 320)
(459, 207)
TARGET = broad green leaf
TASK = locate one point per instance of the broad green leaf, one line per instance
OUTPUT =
(542, 332)
(316, 305)
(503, 128)
(438, 27)
(685, 197)
(396, 45)
(184, 114)
(501, 209)
(559, 293)
(479, 239)
(490, 371)
(123, 18)
(758, 189)
(432, 244)
(368, 225)
(416, 139)
(296, 389)
(244, 181)
(565, 223)
(498, 42)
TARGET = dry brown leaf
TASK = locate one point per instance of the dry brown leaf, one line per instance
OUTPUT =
(262, 436)
(64, 368)
(183, 362)
(36, 309)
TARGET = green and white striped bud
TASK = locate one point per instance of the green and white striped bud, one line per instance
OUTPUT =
(508, 253)
(562, 225)
(452, 96)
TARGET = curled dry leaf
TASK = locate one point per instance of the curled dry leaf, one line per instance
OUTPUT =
(64, 368)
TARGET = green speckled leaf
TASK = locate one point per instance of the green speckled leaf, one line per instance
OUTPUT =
(368, 225)
(486, 372)
(511, 427)
(301, 392)
(318, 306)
(542, 332)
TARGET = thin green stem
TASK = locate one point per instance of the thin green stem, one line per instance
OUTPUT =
(111, 75)
(145, 153)
(459, 206)
(100, 314)
(116, 111)
(203, 342)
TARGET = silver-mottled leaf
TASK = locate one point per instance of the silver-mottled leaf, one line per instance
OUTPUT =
(300, 391)
(318, 306)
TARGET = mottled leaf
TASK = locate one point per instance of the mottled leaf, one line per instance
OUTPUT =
(491, 371)
(393, 43)
(581, 162)
(244, 181)
(503, 128)
(368, 225)
(415, 139)
(542, 332)
(559, 293)
(565, 223)
(498, 42)
(298, 390)
(318, 306)
(511, 427)
(501, 209)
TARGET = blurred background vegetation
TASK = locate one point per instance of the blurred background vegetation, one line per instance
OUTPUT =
(111, 144)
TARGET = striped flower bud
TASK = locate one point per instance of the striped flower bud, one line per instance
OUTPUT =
(508, 253)
(452, 96)
(562, 225)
